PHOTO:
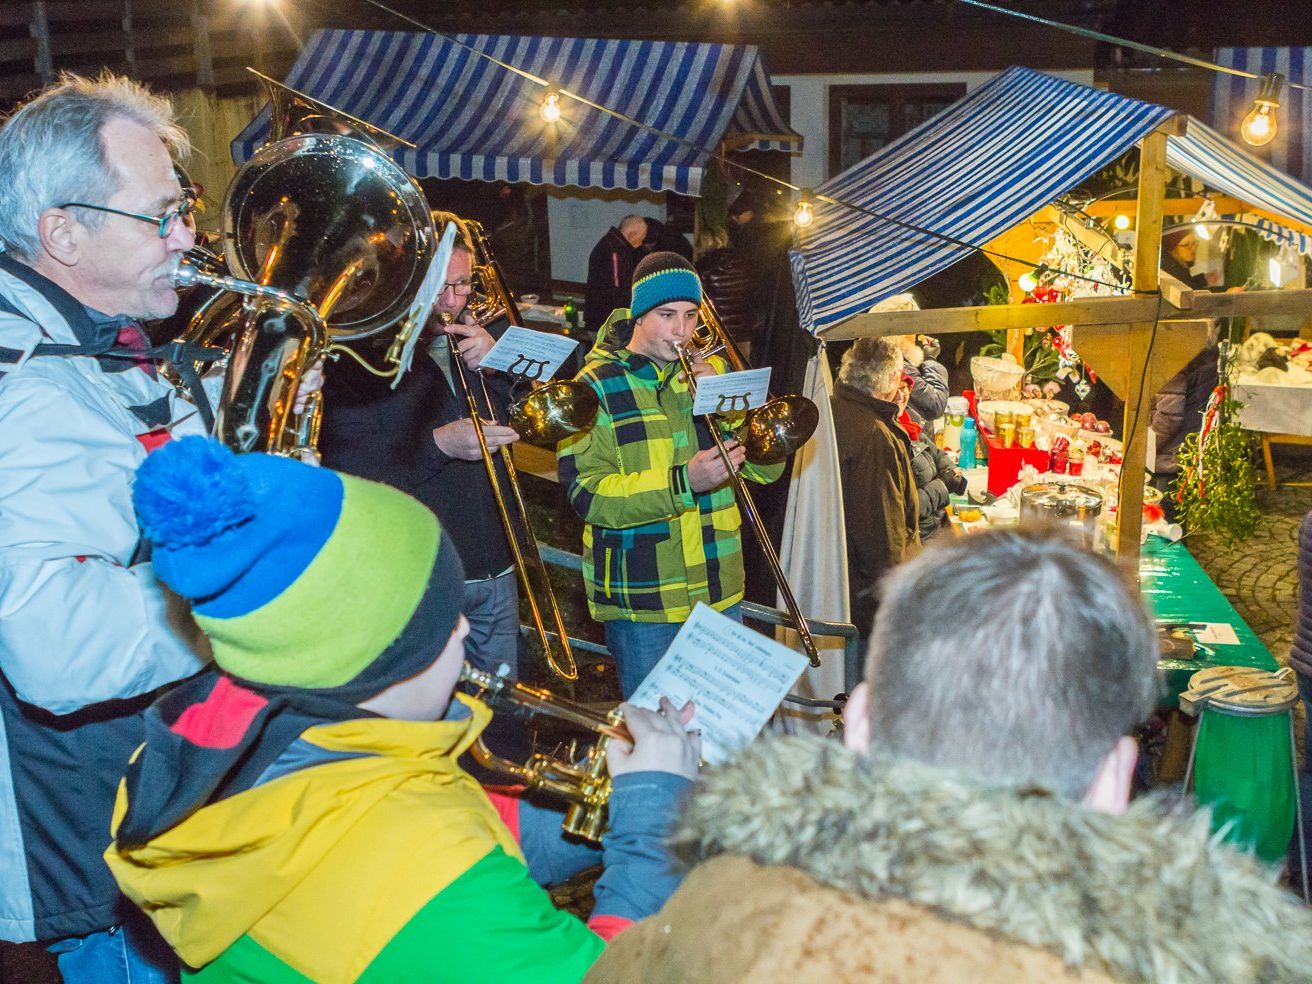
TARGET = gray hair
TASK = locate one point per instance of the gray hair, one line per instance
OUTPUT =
(52, 152)
(1011, 655)
(872, 365)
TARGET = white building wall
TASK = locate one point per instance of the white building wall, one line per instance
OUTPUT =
(578, 218)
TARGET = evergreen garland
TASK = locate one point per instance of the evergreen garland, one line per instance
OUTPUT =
(1215, 489)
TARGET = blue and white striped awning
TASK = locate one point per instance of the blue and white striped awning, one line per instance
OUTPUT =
(1233, 95)
(986, 163)
(471, 118)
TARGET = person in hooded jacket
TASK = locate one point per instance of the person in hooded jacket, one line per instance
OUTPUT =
(974, 823)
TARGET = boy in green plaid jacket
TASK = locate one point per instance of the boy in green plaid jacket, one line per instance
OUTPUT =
(663, 529)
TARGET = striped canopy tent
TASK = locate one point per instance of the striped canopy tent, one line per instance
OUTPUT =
(1233, 95)
(471, 118)
(983, 166)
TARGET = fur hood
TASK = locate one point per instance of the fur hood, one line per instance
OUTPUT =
(1147, 895)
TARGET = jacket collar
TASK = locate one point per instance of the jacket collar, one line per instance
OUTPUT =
(96, 333)
(885, 408)
(1147, 895)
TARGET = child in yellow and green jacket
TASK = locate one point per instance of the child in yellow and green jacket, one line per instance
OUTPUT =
(299, 814)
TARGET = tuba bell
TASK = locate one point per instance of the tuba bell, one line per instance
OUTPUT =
(327, 240)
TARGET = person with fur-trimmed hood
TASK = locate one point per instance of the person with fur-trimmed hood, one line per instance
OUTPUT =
(974, 824)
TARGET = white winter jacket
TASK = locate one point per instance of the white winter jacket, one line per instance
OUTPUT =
(77, 624)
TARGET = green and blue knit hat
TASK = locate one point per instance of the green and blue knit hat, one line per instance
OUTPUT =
(302, 577)
(661, 278)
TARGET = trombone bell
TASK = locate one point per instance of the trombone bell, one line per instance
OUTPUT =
(554, 411)
(777, 428)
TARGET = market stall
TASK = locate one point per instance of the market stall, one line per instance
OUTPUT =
(1274, 384)
(979, 175)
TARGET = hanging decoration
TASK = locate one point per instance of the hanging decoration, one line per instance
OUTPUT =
(1067, 270)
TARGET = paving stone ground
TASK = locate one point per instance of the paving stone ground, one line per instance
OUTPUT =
(1259, 575)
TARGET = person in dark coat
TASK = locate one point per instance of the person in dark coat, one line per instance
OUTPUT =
(660, 238)
(936, 475)
(418, 438)
(610, 270)
(1177, 411)
(880, 501)
(727, 279)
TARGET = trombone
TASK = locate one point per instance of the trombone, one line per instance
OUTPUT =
(548, 413)
(768, 434)
(584, 784)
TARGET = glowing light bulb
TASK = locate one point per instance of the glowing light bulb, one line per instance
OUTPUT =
(804, 214)
(1121, 222)
(550, 111)
(1027, 282)
(1275, 272)
(1259, 126)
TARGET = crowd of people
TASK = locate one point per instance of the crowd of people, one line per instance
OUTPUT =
(230, 721)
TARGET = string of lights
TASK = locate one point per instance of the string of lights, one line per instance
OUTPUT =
(804, 213)
(1259, 126)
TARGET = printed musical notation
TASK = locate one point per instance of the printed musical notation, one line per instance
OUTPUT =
(732, 392)
(529, 354)
(735, 676)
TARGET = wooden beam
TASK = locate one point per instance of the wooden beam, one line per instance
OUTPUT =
(992, 317)
(1225, 205)
(1177, 293)
(1138, 399)
(1251, 303)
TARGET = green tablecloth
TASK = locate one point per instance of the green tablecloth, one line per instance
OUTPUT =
(1243, 767)
(1177, 589)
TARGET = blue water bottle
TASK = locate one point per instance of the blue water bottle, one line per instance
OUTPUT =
(966, 459)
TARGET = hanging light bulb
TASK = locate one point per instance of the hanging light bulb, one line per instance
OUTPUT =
(1121, 222)
(804, 214)
(1027, 282)
(1275, 272)
(550, 111)
(1259, 126)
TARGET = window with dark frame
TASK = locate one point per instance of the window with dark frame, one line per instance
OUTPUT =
(865, 118)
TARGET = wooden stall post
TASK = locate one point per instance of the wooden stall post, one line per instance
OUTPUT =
(1138, 398)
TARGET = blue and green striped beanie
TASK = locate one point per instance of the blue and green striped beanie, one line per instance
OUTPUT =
(661, 278)
(302, 577)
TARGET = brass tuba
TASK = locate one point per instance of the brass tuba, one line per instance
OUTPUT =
(327, 239)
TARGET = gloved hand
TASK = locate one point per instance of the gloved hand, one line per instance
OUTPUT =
(954, 479)
(929, 345)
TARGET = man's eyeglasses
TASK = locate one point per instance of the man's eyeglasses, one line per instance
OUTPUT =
(462, 286)
(165, 223)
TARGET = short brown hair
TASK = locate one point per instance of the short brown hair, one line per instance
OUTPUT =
(463, 239)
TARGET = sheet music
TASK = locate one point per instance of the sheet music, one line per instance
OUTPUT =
(529, 354)
(735, 676)
(732, 392)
